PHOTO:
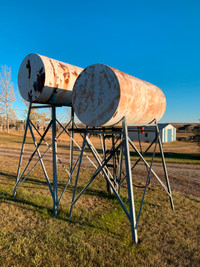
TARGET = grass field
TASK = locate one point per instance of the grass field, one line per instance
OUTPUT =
(178, 152)
(98, 234)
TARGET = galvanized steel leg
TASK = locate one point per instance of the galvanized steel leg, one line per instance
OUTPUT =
(78, 171)
(147, 183)
(109, 189)
(104, 148)
(68, 181)
(54, 147)
(129, 183)
(101, 168)
(146, 163)
(114, 161)
(31, 157)
(165, 168)
(96, 155)
(120, 167)
(72, 138)
(140, 158)
(49, 147)
(64, 129)
(22, 150)
(41, 161)
(22, 180)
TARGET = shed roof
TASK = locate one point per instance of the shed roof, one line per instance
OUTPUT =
(163, 125)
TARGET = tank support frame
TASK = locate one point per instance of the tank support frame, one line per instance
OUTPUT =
(21, 176)
(119, 150)
(109, 164)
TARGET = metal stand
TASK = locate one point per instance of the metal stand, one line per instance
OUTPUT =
(120, 148)
(21, 177)
(110, 165)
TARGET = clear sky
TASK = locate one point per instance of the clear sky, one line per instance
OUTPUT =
(157, 41)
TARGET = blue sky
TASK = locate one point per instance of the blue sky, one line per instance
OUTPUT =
(158, 41)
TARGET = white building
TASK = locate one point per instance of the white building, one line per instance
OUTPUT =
(167, 133)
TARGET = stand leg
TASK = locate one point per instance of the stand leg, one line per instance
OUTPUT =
(129, 183)
(165, 168)
(109, 189)
(114, 162)
(119, 180)
(54, 147)
(104, 148)
(77, 175)
(22, 150)
(71, 141)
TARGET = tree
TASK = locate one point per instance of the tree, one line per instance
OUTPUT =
(7, 96)
(37, 117)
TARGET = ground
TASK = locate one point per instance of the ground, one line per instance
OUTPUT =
(98, 234)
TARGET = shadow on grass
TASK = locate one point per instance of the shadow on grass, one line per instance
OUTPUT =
(70, 189)
(34, 181)
(46, 212)
(28, 180)
(11, 176)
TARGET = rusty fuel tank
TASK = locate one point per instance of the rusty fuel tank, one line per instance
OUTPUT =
(39, 77)
(103, 95)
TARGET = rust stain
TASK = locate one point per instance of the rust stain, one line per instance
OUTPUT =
(39, 84)
(54, 73)
(62, 66)
(115, 114)
(55, 76)
(75, 73)
(28, 66)
(67, 81)
(66, 76)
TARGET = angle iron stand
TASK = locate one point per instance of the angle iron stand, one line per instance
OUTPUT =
(120, 146)
(21, 177)
(53, 188)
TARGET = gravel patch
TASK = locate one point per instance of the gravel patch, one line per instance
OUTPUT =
(184, 178)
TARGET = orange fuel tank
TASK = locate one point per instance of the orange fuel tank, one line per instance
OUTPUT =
(103, 95)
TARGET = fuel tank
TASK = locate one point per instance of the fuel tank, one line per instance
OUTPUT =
(39, 77)
(103, 95)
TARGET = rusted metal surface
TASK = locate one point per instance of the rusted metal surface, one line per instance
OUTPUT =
(102, 96)
(39, 77)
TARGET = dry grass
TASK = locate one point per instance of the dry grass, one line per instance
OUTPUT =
(98, 233)
(191, 150)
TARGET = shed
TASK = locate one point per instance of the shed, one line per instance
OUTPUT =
(167, 133)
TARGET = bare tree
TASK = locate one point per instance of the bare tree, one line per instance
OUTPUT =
(37, 117)
(7, 95)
